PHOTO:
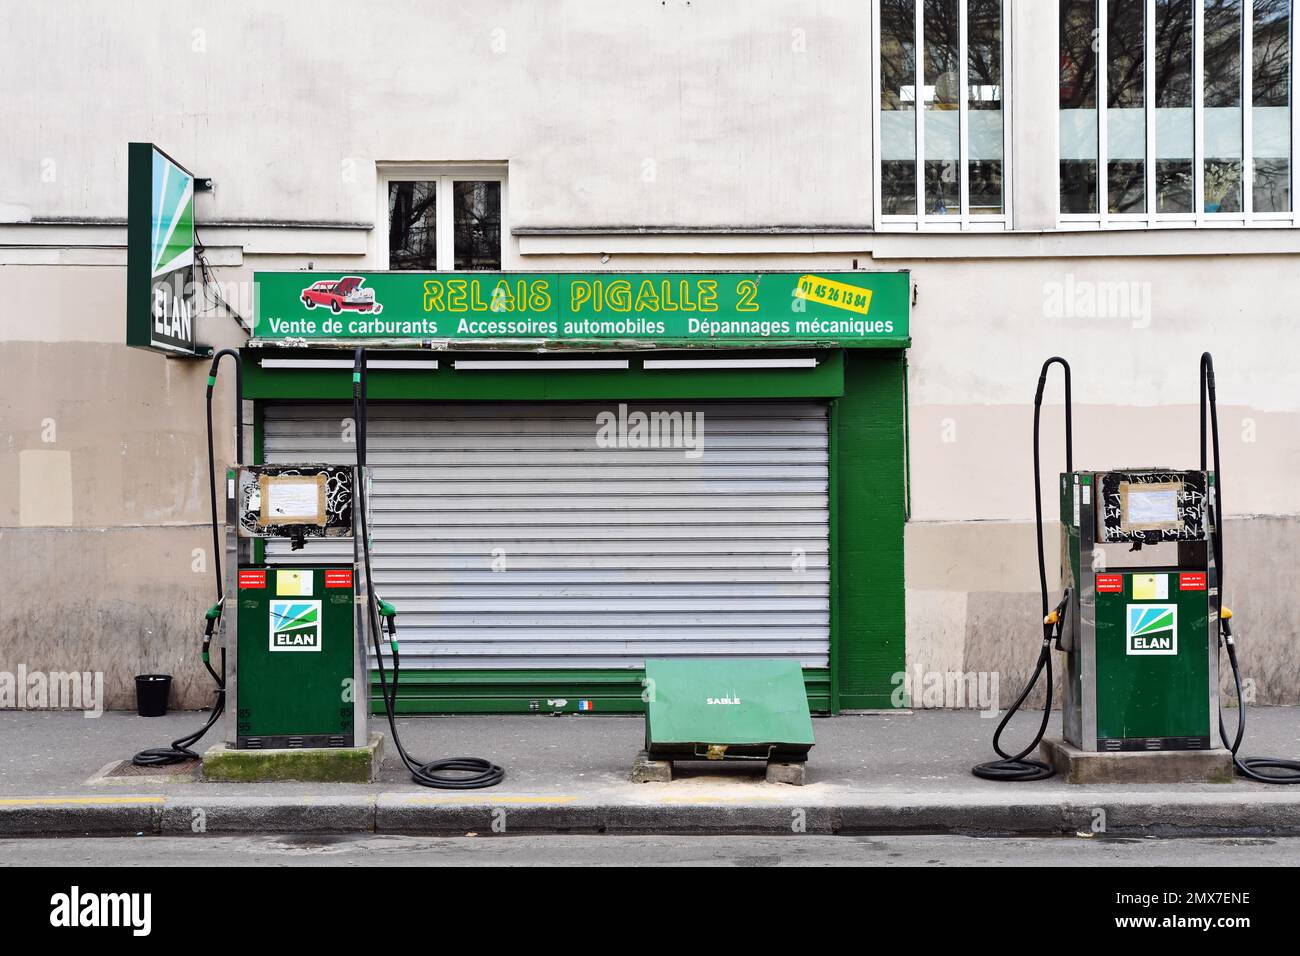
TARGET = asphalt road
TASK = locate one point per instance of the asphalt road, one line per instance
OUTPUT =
(380, 850)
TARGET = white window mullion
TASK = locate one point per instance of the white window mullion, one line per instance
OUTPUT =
(963, 115)
(1005, 93)
(1149, 73)
(919, 14)
(1198, 109)
(1295, 127)
(1103, 109)
(877, 89)
(1247, 101)
(446, 225)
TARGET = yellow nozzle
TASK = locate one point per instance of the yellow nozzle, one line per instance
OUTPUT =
(1052, 618)
(1225, 612)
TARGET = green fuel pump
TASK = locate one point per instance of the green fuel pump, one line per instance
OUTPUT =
(1142, 582)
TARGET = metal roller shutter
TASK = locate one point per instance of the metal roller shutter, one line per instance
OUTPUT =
(610, 556)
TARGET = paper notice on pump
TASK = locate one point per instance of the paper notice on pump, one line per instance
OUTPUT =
(288, 500)
(293, 583)
(1150, 587)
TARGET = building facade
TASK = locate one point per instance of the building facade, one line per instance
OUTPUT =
(866, 510)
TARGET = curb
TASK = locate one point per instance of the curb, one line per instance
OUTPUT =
(1193, 814)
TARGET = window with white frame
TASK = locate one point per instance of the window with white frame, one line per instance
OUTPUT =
(442, 218)
(940, 156)
(1174, 141)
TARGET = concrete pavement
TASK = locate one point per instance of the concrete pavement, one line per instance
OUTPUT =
(869, 774)
(314, 850)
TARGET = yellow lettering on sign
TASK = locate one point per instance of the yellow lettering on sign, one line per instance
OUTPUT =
(840, 295)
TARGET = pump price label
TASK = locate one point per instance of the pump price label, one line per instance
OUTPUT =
(1110, 584)
(252, 579)
(338, 578)
(1191, 581)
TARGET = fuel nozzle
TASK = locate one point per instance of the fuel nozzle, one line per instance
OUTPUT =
(211, 618)
(389, 615)
(1055, 619)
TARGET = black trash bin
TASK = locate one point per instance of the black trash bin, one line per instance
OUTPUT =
(151, 692)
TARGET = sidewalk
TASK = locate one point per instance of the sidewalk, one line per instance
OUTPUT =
(867, 774)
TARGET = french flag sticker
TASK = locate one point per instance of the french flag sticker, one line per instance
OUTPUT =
(585, 705)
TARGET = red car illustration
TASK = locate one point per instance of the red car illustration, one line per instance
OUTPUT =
(340, 294)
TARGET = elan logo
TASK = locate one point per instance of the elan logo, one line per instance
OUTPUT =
(295, 625)
(74, 909)
(1152, 629)
(733, 700)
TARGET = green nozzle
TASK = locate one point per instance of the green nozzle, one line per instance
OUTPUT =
(214, 612)
(386, 609)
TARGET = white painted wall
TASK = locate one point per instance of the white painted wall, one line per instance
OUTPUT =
(639, 112)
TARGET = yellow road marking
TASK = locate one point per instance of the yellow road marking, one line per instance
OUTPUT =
(54, 801)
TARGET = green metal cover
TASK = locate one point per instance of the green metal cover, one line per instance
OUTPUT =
(1153, 661)
(295, 657)
(726, 709)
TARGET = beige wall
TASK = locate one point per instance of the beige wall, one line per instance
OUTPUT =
(747, 123)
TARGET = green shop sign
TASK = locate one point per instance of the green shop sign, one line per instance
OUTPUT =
(638, 309)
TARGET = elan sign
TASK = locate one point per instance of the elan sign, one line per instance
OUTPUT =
(604, 308)
(159, 252)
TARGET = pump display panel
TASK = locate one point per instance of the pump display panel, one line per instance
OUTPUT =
(1153, 506)
(295, 501)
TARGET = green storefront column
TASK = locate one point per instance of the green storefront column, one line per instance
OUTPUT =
(870, 508)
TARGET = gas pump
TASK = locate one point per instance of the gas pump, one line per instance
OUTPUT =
(1141, 618)
(296, 637)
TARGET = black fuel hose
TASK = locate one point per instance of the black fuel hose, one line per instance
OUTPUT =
(451, 773)
(179, 749)
(1020, 766)
(1287, 771)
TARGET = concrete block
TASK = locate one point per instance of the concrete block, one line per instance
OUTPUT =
(1137, 766)
(795, 774)
(72, 816)
(450, 815)
(311, 764)
(645, 770)
(196, 814)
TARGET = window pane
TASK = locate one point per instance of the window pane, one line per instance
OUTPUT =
(1271, 106)
(1175, 134)
(898, 107)
(984, 99)
(942, 102)
(1126, 117)
(1222, 83)
(478, 225)
(1078, 106)
(412, 225)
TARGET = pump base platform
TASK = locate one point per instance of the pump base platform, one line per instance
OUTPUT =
(646, 769)
(1137, 766)
(222, 764)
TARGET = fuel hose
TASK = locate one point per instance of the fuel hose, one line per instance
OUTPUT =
(1260, 769)
(1020, 766)
(451, 773)
(180, 749)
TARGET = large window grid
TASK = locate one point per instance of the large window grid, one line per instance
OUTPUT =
(1191, 167)
(929, 187)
